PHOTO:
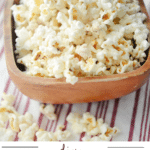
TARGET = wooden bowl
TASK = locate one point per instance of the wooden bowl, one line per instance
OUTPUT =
(57, 91)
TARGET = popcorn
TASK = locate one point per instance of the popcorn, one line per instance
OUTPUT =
(1, 124)
(16, 121)
(75, 119)
(7, 100)
(6, 134)
(58, 135)
(74, 38)
(48, 111)
(27, 132)
(19, 13)
(6, 107)
(61, 17)
(24, 124)
(7, 110)
(83, 51)
(96, 128)
(46, 13)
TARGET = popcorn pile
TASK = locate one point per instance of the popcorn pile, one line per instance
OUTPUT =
(95, 130)
(24, 125)
(77, 38)
(28, 130)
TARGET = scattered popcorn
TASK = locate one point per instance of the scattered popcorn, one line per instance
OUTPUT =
(71, 39)
(28, 130)
(6, 107)
(58, 135)
(48, 111)
(25, 126)
(21, 124)
(96, 130)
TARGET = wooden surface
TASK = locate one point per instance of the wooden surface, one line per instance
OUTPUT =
(57, 91)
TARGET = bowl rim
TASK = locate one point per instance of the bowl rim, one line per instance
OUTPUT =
(12, 67)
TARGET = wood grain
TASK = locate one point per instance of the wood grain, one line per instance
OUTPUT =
(57, 91)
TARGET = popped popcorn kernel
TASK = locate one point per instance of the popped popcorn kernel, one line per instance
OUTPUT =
(27, 132)
(7, 100)
(48, 110)
(14, 123)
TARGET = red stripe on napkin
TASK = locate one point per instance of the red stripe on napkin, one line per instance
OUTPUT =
(17, 107)
(114, 114)
(61, 106)
(51, 121)
(148, 138)
(147, 118)
(56, 112)
(105, 112)
(97, 110)
(7, 85)
(143, 114)
(102, 108)
(134, 115)
(40, 119)
(2, 52)
(68, 112)
(88, 110)
(27, 106)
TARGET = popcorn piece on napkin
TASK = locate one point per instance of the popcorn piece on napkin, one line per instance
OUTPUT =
(6, 134)
(87, 123)
(58, 135)
(48, 111)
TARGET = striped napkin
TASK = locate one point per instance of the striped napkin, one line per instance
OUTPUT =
(131, 113)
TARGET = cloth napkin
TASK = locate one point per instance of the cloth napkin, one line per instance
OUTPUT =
(131, 113)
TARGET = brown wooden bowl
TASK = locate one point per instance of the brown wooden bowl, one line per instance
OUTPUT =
(57, 91)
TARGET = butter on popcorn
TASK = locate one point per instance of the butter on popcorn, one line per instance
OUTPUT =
(67, 38)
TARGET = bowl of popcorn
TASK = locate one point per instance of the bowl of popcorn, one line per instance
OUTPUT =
(74, 51)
